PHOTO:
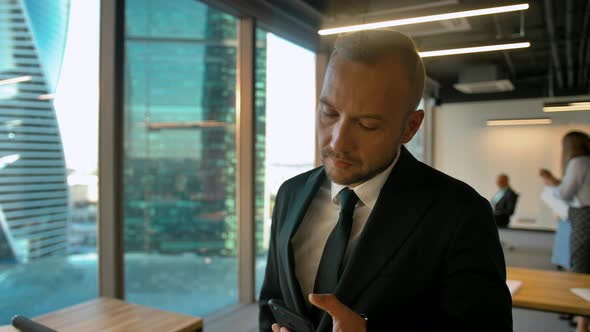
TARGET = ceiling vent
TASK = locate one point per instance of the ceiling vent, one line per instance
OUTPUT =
(482, 79)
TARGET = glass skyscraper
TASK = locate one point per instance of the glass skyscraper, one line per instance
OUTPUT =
(33, 185)
(180, 119)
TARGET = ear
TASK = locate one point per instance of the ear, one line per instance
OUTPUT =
(412, 125)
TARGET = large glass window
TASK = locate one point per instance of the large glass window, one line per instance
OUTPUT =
(180, 156)
(417, 144)
(285, 126)
(48, 154)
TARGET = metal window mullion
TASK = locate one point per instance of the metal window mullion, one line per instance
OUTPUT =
(110, 207)
(245, 160)
(321, 64)
(427, 131)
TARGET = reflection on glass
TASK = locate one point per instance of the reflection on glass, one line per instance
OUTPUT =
(285, 126)
(416, 145)
(47, 201)
(180, 156)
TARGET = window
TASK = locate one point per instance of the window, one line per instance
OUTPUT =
(419, 145)
(285, 126)
(180, 156)
(416, 145)
(48, 155)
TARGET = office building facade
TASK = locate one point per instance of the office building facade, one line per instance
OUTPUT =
(33, 184)
(180, 129)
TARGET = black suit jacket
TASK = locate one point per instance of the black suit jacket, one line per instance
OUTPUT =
(428, 259)
(506, 205)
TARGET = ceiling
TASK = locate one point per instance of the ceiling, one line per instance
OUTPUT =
(556, 64)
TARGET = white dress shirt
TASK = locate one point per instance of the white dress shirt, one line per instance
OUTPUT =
(498, 196)
(321, 218)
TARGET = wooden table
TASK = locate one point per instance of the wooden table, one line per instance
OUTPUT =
(110, 315)
(550, 290)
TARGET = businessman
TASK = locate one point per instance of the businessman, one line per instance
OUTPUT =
(375, 240)
(504, 201)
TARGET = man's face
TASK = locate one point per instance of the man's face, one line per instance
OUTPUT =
(502, 182)
(362, 118)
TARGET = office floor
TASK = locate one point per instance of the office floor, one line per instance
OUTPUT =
(531, 249)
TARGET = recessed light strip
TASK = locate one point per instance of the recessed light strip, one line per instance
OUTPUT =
(477, 49)
(16, 80)
(570, 108)
(425, 19)
(519, 122)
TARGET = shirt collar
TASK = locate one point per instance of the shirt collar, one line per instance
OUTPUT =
(368, 191)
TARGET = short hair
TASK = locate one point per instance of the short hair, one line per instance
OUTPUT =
(374, 46)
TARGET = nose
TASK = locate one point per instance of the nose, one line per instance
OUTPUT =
(342, 137)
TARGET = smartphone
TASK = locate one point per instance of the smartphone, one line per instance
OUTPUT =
(288, 318)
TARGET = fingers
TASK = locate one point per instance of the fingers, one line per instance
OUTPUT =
(329, 303)
(544, 173)
(344, 318)
(277, 328)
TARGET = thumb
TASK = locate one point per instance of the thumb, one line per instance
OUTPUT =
(328, 303)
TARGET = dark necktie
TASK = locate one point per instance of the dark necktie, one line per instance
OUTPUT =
(331, 263)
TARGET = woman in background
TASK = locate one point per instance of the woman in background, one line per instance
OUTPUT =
(574, 188)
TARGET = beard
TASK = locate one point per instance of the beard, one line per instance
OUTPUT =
(357, 175)
(360, 176)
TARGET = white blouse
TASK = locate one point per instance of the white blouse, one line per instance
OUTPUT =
(575, 185)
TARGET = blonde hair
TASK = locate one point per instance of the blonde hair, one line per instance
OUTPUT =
(374, 46)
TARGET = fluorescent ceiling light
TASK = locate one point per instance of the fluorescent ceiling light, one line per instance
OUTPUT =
(570, 107)
(565, 108)
(16, 80)
(48, 96)
(519, 122)
(7, 160)
(425, 19)
(477, 49)
(13, 123)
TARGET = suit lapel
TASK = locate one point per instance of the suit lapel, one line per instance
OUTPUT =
(397, 212)
(500, 202)
(296, 212)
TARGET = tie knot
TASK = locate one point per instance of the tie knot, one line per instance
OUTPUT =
(348, 200)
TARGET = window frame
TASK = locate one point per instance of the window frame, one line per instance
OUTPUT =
(110, 246)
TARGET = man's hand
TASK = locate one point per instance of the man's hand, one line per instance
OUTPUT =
(344, 319)
(277, 328)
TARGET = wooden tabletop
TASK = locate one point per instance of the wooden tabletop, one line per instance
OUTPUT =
(550, 290)
(110, 315)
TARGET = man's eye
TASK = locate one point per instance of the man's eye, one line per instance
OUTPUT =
(329, 114)
(368, 126)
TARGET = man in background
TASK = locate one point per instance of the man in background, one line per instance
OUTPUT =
(504, 201)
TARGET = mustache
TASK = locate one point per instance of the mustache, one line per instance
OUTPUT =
(327, 152)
